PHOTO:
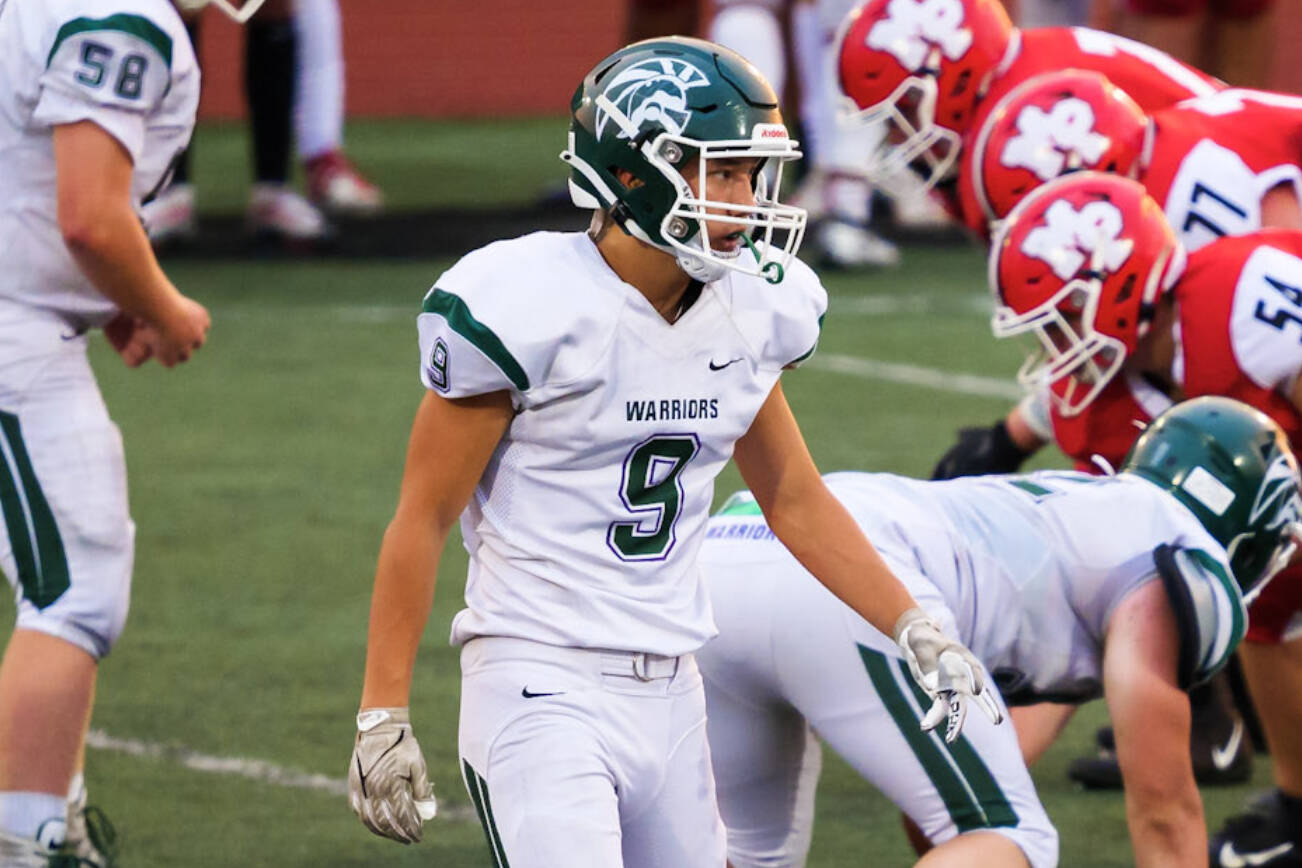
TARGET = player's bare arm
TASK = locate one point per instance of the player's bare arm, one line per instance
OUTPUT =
(1280, 207)
(106, 239)
(1151, 718)
(451, 442)
(810, 522)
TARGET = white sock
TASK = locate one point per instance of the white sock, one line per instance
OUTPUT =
(41, 817)
(77, 789)
(811, 44)
(755, 34)
(319, 98)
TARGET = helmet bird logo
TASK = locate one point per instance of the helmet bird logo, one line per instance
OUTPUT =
(1045, 140)
(911, 28)
(1069, 238)
(651, 92)
(1278, 494)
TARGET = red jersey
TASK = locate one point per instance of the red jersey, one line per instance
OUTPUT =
(1210, 160)
(1153, 78)
(1240, 314)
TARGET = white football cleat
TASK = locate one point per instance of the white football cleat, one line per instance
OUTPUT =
(277, 212)
(170, 216)
(336, 186)
(850, 246)
(921, 210)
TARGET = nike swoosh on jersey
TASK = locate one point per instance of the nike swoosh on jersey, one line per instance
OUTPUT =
(1223, 755)
(524, 691)
(714, 367)
(1229, 857)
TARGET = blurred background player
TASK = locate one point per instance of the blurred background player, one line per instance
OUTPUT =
(1089, 267)
(932, 69)
(294, 89)
(1059, 601)
(96, 100)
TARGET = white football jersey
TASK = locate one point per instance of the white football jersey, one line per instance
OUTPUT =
(585, 527)
(1031, 566)
(126, 65)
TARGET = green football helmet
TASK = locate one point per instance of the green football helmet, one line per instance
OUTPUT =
(653, 107)
(1231, 466)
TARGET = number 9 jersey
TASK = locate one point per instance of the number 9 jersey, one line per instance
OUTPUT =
(585, 526)
(125, 65)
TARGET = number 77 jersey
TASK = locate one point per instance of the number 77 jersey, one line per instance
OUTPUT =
(1211, 160)
(585, 527)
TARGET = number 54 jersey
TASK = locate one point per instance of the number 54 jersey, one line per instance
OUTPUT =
(584, 528)
(125, 65)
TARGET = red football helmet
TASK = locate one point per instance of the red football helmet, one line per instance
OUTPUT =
(1049, 125)
(922, 65)
(1080, 263)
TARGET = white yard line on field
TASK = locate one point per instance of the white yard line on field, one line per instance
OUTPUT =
(253, 769)
(915, 375)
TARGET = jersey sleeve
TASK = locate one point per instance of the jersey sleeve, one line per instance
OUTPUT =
(488, 325)
(798, 317)
(113, 71)
(1209, 610)
(1266, 318)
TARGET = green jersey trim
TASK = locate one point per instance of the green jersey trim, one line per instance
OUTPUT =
(124, 22)
(809, 352)
(1237, 626)
(478, 789)
(970, 792)
(460, 320)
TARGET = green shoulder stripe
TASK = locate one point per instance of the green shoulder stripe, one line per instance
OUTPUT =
(458, 317)
(1231, 588)
(136, 25)
(809, 352)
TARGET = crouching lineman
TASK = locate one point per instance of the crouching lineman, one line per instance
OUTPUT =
(1065, 585)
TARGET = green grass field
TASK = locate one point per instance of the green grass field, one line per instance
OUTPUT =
(263, 474)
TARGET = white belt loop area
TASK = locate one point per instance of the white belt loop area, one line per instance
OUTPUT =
(639, 665)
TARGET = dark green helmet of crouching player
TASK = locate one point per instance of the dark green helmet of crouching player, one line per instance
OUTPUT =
(1231, 466)
(655, 108)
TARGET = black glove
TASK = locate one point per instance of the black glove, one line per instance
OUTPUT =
(980, 451)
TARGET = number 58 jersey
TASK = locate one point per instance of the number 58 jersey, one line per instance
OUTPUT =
(585, 526)
(125, 65)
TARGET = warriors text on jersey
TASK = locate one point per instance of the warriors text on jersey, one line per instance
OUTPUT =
(585, 526)
(1030, 566)
(125, 65)
(1151, 77)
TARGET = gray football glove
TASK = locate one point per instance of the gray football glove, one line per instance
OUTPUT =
(949, 673)
(388, 788)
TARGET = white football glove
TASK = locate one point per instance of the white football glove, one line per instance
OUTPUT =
(387, 784)
(946, 670)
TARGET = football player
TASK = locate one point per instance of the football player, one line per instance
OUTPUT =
(96, 100)
(1068, 586)
(1089, 266)
(584, 390)
(934, 68)
(1224, 164)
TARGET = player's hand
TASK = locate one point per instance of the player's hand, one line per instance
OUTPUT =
(949, 673)
(980, 451)
(131, 339)
(388, 788)
(181, 332)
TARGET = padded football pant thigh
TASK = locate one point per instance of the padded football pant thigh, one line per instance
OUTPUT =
(67, 542)
(766, 768)
(851, 683)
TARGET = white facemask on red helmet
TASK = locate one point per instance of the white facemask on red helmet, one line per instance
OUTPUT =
(1080, 264)
(240, 12)
(922, 66)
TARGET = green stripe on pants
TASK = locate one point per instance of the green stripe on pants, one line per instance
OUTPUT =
(33, 533)
(477, 787)
(970, 793)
